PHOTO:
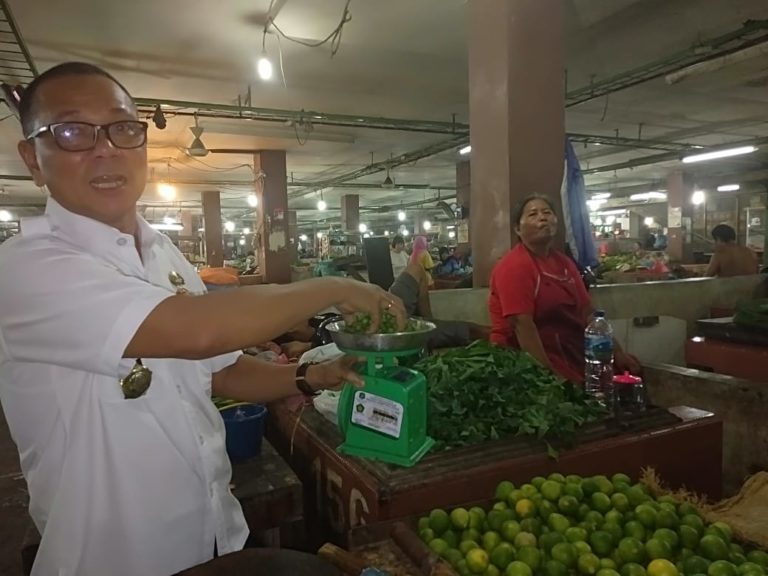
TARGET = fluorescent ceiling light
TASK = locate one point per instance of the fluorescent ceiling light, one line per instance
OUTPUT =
(612, 212)
(594, 205)
(728, 188)
(426, 224)
(321, 205)
(451, 234)
(698, 197)
(242, 242)
(167, 227)
(648, 196)
(719, 154)
(5, 216)
(246, 230)
(386, 232)
(401, 216)
(264, 68)
(303, 237)
(319, 234)
(601, 196)
(169, 220)
(466, 150)
(648, 221)
(405, 232)
(229, 226)
(253, 201)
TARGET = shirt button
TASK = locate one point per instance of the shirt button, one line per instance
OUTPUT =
(122, 241)
(210, 490)
(178, 387)
(201, 439)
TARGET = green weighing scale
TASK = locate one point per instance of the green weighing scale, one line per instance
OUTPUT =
(387, 419)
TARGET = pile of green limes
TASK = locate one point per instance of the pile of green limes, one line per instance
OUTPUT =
(388, 325)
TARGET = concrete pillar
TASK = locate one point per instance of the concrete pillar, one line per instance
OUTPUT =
(676, 199)
(214, 249)
(187, 223)
(350, 212)
(517, 117)
(293, 234)
(272, 192)
(463, 192)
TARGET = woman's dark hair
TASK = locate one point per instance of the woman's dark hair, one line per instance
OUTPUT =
(520, 208)
(724, 233)
(443, 251)
(398, 240)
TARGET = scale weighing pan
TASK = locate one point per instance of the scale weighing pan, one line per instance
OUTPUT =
(387, 419)
(394, 342)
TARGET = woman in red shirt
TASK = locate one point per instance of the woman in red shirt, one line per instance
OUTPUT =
(538, 301)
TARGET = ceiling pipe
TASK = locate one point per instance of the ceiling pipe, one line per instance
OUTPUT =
(715, 64)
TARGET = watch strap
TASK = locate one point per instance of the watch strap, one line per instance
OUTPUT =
(301, 380)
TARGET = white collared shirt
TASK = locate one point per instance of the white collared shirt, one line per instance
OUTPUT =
(117, 487)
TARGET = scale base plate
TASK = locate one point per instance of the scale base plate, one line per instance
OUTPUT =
(400, 460)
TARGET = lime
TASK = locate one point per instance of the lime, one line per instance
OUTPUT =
(714, 548)
(423, 523)
(439, 546)
(462, 569)
(551, 490)
(604, 485)
(525, 508)
(525, 539)
(582, 547)
(589, 486)
(453, 556)
(509, 530)
(460, 518)
(725, 529)
(451, 537)
(588, 564)
(607, 572)
(558, 523)
(685, 508)
(694, 522)
(478, 512)
(759, 557)
(517, 568)
(531, 556)
(614, 516)
(548, 541)
(532, 525)
(615, 530)
(470, 534)
(636, 495)
(529, 490)
(621, 478)
(575, 534)
(546, 508)
(477, 560)
(500, 506)
(669, 536)
(632, 569)
(568, 505)
(662, 567)
(476, 520)
(607, 564)
(502, 556)
(696, 565)
(565, 553)
(537, 481)
(601, 502)
(666, 498)
(751, 568)
(685, 553)
(503, 490)
(722, 568)
(602, 542)
(737, 549)
(555, 568)
(492, 571)
(634, 529)
(490, 540)
(514, 496)
(573, 490)
(667, 519)
(439, 521)
(495, 519)
(658, 549)
(736, 558)
(689, 537)
(557, 477)
(646, 515)
(467, 545)
(427, 535)
(631, 550)
(716, 531)
(584, 509)
(621, 487)
(620, 502)
(573, 479)
(595, 518)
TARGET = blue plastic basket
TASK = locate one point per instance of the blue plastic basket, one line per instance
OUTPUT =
(244, 425)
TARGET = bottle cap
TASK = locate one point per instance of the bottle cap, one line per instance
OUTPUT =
(627, 378)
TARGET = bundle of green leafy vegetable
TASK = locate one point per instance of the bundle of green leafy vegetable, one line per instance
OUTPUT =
(484, 392)
(753, 314)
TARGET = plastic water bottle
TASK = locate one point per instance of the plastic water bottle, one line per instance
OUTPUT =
(598, 356)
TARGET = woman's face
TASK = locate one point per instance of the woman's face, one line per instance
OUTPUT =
(399, 247)
(538, 223)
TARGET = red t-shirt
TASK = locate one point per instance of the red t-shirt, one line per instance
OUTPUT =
(522, 283)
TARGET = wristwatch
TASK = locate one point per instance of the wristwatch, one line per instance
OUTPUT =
(301, 380)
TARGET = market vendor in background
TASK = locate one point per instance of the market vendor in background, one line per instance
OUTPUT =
(729, 258)
(398, 256)
(537, 300)
(448, 264)
(420, 256)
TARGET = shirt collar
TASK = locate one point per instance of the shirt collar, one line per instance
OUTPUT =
(93, 235)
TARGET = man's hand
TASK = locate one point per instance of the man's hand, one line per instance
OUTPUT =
(334, 374)
(625, 362)
(357, 297)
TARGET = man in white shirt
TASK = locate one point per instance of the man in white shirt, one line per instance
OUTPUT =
(125, 483)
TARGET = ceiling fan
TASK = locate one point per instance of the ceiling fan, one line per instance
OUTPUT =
(197, 148)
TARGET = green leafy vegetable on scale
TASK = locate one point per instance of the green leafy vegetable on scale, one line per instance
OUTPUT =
(484, 392)
(388, 324)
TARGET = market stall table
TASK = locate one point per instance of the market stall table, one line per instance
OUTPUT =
(726, 348)
(684, 445)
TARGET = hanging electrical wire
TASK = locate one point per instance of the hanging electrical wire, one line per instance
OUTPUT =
(334, 37)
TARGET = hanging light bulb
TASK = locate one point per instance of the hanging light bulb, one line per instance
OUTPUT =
(363, 228)
(401, 215)
(264, 67)
(246, 230)
(320, 234)
(321, 205)
(5, 216)
(166, 191)
(426, 225)
(229, 226)
(253, 201)
(303, 237)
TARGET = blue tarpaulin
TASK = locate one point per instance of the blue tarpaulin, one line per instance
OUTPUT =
(578, 229)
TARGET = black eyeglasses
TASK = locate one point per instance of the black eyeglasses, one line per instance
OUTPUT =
(82, 136)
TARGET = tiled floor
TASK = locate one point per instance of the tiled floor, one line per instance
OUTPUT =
(13, 505)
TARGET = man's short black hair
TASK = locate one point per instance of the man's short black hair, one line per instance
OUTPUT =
(27, 111)
(398, 240)
(724, 233)
(443, 250)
